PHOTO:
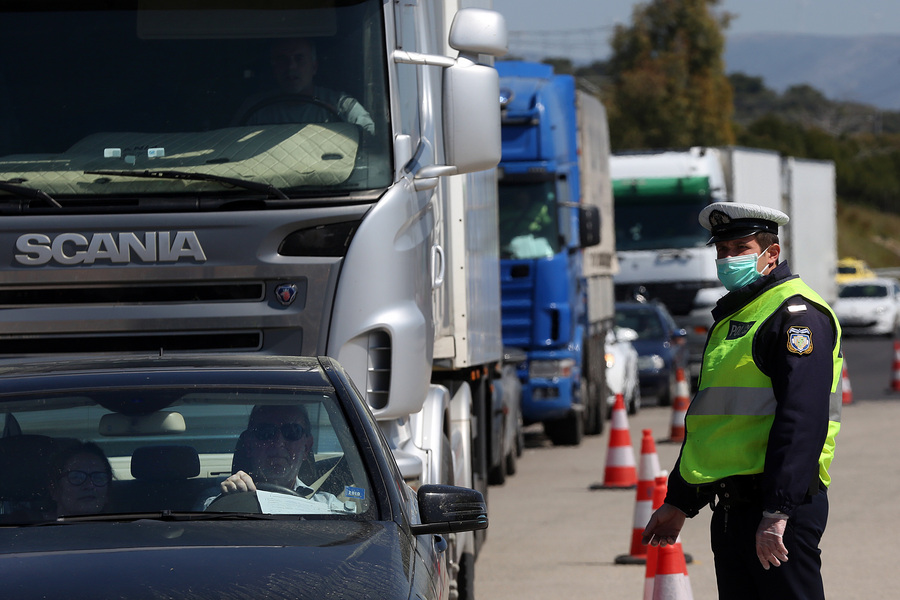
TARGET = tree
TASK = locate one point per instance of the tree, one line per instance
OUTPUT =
(667, 85)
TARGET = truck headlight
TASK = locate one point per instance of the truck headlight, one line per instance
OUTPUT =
(551, 369)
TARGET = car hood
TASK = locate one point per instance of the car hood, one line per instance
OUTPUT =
(861, 306)
(193, 561)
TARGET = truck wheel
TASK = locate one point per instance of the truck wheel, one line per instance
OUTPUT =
(497, 474)
(595, 410)
(567, 431)
(511, 462)
(590, 407)
(465, 579)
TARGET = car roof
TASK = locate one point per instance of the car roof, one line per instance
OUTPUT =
(888, 281)
(646, 306)
(18, 374)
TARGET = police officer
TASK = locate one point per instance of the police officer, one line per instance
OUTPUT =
(760, 430)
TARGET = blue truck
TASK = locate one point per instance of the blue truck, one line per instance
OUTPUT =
(557, 247)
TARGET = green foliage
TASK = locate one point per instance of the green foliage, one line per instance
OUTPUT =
(666, 82)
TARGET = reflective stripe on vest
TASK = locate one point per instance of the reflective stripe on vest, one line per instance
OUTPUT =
(729, 419)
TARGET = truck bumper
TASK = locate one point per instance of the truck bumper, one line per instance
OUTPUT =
(548, 399)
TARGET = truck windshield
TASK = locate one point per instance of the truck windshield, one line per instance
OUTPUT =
(659, 222)
(202, 98)
(529, 224)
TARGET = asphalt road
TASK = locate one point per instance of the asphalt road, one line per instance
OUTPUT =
(552, 536)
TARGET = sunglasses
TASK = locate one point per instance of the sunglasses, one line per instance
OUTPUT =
(98, 478)
(289, 431)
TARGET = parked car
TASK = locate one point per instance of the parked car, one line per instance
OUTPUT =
(661, 347)
(851, 269)
(622, 368)
(172, 429)
(869, 306)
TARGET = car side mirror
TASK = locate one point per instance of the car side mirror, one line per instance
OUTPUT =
(449, 509)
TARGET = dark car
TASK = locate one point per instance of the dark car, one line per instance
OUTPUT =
(661, 347)
(152, 522)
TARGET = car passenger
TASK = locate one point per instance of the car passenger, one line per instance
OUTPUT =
(275, 449)
(81, 479)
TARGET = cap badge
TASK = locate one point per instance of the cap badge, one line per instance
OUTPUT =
(717, 217)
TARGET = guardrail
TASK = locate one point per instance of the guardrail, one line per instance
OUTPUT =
(890, 272)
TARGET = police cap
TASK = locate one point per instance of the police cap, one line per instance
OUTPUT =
(733, 220)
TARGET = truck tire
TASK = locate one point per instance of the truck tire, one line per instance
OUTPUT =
(465, 579)
(497, 474)
(567, 431)
(511, 462)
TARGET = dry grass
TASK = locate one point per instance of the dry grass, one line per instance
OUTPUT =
(868, 234)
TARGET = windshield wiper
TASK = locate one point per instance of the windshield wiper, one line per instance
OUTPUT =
(253, 186)
(27, 192)
(166, 515)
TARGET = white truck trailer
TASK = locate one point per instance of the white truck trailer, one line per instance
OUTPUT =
(150, 206)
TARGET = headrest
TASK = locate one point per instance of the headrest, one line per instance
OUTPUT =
(165, 462)
(26, 466)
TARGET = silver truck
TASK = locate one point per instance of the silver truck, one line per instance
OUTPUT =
(285, 178)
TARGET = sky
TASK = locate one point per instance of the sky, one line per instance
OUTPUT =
(582, 27)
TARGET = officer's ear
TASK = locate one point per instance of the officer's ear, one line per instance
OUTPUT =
(773, 254)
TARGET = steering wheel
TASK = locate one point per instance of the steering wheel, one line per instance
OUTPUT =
(290, 100)
(246, 502)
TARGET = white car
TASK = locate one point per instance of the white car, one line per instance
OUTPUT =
(622, 368)
(869, 306)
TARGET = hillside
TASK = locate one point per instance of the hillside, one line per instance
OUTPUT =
(852, 68)
(868, 234)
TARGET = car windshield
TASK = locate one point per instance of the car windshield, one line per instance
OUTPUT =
(162, 450)
(644, 321)
(126, 100)
(863, 291)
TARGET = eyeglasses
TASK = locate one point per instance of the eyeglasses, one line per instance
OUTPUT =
(289, 431)
(98, 478)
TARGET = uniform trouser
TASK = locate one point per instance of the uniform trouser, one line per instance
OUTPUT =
(740, 575)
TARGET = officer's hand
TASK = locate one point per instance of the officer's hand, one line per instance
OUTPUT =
(239, 482)
(664, 526)
(770, 542)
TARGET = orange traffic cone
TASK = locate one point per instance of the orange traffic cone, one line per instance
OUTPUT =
(621, 472)
(659, 495)
(643, 506)
(896, 383)
(679, 407)
(846, 390)
(666, 576)
(671, 581)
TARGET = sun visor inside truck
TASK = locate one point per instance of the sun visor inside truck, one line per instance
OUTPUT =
(660, 186)
(199, 19)
(284, 156)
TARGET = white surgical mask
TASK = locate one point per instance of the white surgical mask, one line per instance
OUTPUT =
(737, 271)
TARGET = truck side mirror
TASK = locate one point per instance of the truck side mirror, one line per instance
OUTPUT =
(589, 225)
(471, 117)
(472, 91)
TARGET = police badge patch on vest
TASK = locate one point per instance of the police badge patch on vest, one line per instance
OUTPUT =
(799, 340)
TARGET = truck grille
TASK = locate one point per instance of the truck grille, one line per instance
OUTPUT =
(133, 294)
(156, 342)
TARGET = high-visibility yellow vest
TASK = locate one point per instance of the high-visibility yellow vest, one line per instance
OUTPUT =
(729, 419)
